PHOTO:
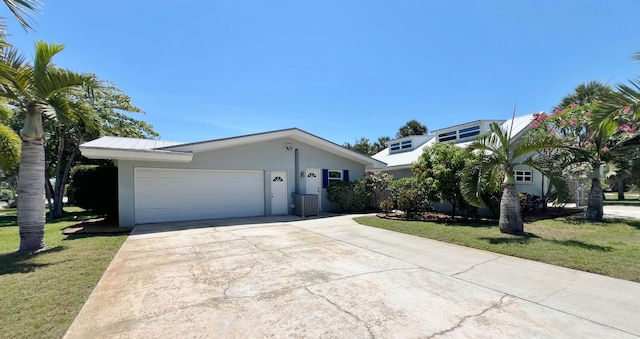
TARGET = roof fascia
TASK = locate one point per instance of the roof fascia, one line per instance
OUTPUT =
(140, 155)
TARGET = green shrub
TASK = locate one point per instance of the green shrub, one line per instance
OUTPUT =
(528, 203)
(6, 194)
(95, 188)
(348, 195)
(408, 196)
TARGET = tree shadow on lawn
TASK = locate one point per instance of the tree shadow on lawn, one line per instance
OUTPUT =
(14, 262)
(11, 220)
(527, 237)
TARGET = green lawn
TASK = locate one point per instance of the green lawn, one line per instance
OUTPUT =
(611, 247)
(41, 294)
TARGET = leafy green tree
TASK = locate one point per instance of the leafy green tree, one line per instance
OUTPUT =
(364, 146)
(441, 168)
(500, 156)
(106, 107)
(40, 90)
(589, 144)
(412, 127)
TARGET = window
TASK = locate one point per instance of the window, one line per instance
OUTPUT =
(400, 146)
(459, 135)
(523, 176)
(447, 136)
(469, 132)
(335, 175)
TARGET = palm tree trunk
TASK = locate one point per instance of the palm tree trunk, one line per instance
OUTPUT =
(620, 184)
(31, 197)
(594, 205)
(510, 218)
(30, 200)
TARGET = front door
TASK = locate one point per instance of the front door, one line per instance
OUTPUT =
(313, 184)
(279, 193)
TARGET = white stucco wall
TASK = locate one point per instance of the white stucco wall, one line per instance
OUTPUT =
(266, 156)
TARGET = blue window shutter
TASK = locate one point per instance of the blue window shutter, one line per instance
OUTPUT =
(345, 175)
(325, 178)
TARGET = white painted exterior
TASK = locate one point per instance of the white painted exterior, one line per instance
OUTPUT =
(264, 153)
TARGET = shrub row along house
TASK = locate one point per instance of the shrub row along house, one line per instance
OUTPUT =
(261, 174)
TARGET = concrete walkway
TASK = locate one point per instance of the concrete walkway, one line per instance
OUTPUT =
(333, 278)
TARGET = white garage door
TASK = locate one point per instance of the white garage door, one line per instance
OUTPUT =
(163, 195)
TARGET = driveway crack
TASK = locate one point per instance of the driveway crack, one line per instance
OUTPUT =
(476, 265)
(461, 322)
(343, 310)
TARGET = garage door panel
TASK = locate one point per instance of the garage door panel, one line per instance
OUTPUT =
(174, 195)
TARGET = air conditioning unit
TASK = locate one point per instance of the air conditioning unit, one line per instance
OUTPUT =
(306, 204)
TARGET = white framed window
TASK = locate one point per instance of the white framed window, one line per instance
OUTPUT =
(335, 175)
(523, 176)
(460, 134)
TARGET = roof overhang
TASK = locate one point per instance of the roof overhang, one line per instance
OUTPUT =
(141, 155)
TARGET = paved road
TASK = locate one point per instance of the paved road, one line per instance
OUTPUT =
(621, 211)
(332, 278)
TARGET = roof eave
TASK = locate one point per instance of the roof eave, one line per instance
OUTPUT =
(135, 155)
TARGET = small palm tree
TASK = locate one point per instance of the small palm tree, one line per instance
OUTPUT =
(40, 90)
(500, 158)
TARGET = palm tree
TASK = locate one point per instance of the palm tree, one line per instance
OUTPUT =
(9, 140)
(588, 92)
(22, 10)
(412, 127)
(500, 158)
(40, 90)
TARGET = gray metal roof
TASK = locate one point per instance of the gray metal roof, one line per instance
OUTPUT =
(129, 143)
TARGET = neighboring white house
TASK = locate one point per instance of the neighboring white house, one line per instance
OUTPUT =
(251, 175)
(401, 153)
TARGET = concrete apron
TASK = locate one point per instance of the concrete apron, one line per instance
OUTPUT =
(333, 278)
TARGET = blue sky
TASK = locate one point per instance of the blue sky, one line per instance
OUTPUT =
(342, 70)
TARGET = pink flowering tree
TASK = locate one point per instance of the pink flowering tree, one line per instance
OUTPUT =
(592, 144)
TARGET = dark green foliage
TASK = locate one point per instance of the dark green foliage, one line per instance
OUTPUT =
(408, 196)
(348, 195)
(440, 169)
(412, 127)
(529, 203)
(95, 188)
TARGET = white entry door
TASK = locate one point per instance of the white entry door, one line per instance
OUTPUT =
(279, 193)
(313, 184)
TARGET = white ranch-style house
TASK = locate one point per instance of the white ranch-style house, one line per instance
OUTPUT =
(251, 175)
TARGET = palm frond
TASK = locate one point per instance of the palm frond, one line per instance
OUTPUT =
(557, 179)
(528, 145)
(22, 11)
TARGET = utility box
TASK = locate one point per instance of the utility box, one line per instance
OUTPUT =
(306, 204)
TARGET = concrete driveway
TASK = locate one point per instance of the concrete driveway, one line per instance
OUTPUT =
(332, 278)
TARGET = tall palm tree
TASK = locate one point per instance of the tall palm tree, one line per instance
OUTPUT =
(40, 90)
(500, 158)
(9, 140)
(588, 92)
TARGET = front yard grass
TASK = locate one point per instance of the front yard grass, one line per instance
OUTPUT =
(42, 293)
(611, 247)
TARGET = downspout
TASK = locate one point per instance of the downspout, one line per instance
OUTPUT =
(297, 171)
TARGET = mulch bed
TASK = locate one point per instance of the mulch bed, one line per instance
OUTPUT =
(96, 226)
(552, 212)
